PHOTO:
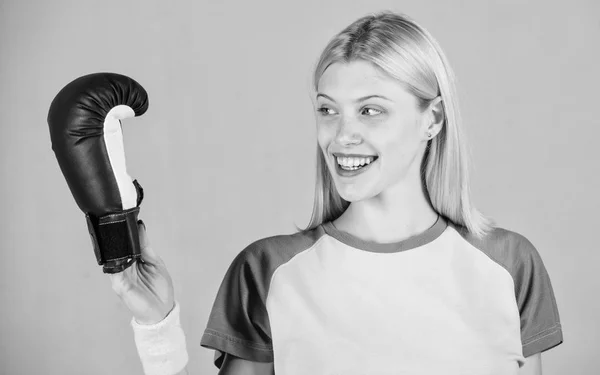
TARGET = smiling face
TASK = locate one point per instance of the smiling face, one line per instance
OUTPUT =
(364, 117)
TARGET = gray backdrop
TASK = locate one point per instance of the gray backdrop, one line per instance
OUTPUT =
(226, 152)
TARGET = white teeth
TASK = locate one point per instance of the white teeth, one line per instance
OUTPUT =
(354, 163)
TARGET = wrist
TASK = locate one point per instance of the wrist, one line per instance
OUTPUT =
(153, 323)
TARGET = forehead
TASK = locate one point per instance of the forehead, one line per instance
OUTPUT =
(358, 78)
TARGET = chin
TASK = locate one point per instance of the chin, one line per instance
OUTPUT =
(354, 196)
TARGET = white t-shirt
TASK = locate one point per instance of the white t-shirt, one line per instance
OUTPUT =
(441, 302)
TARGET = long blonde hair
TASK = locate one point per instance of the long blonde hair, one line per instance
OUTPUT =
(408, 53)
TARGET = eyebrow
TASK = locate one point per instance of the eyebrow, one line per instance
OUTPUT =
(362, 99)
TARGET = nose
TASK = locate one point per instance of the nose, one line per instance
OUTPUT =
(348, 132)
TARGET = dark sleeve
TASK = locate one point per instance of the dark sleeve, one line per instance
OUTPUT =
(540, 322)
(238, 323)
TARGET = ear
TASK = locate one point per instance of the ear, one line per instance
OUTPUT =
(435, 117)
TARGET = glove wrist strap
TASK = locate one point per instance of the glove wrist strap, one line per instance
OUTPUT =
(115, 239)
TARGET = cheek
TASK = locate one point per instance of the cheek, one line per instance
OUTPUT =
(325, 136)
(399, 148)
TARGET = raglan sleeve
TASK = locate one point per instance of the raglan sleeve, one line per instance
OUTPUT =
(540, 322)
(238, 323)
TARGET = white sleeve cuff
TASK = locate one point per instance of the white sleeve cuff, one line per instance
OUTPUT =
(161, 346)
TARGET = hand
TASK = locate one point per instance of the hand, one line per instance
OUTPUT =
(145, 287)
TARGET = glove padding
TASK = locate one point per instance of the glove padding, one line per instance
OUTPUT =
(85, 129)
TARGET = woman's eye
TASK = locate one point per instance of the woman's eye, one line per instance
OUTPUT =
(370, 111)
(325, 111)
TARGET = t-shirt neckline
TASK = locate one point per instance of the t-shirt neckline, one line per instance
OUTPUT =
(417, 240)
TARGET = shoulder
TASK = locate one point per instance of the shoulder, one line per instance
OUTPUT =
(284, 243)
(265, 255)
(508, 248)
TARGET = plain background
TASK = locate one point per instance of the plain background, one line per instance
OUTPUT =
(226, 153)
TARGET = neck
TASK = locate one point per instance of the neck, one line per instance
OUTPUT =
(394, 215)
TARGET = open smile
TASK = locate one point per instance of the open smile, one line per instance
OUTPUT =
(353, 165)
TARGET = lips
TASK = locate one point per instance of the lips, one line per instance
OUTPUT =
(357, 161)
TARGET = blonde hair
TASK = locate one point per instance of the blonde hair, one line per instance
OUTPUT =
(408, 53)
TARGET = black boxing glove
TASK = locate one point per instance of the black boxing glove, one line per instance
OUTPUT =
(85, 129)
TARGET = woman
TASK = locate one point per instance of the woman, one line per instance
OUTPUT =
(397, 272)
